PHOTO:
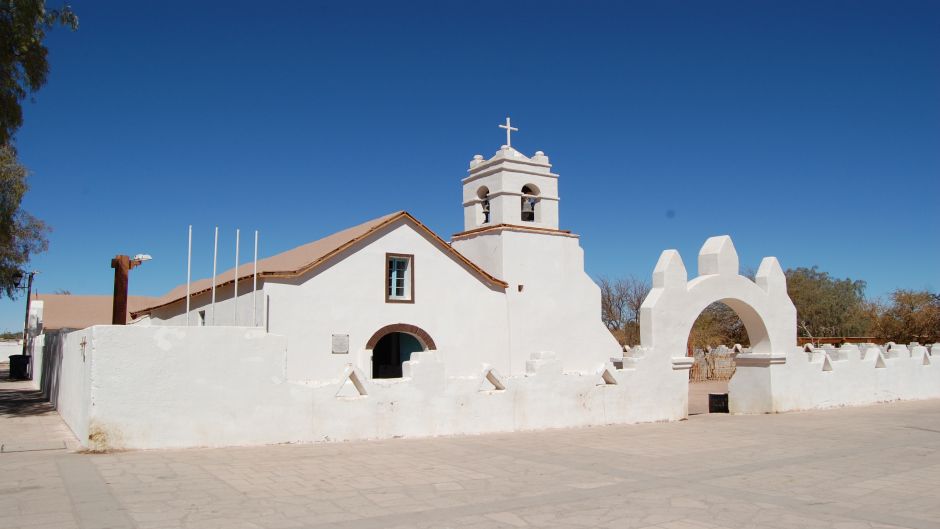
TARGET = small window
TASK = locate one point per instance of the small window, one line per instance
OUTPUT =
(202, 318)
(399, 278)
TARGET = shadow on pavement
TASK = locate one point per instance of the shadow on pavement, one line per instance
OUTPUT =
(17, 399)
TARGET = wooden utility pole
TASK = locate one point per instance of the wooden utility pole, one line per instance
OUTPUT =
(122, 266)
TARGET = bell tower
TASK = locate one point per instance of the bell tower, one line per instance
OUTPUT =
(511, 230)
(510, 188)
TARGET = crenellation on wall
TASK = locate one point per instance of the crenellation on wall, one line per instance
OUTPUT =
(178, 391)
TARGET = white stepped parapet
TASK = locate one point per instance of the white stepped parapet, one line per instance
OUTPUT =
(670, 271)
(718, 256)
(770, 276)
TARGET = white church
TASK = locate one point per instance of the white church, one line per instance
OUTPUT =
(509, 285)
(386, 330)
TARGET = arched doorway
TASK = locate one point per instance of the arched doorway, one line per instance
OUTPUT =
(393, 350)
(717, 336)
(393, 345)
(766, 312)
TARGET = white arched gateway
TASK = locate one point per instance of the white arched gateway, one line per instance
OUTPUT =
(674, 303)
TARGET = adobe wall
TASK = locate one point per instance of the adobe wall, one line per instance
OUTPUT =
(829, 377)
(162, 386)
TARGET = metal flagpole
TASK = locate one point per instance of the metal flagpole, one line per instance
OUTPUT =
(254, 287)
(189, 270)
(215, 259)
(235, 299)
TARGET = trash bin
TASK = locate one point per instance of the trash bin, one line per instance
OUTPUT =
(717, 403)
(19, 366)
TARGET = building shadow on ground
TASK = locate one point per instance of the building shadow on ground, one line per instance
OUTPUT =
(19, 400)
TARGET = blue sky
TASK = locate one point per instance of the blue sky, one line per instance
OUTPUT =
(805, 130)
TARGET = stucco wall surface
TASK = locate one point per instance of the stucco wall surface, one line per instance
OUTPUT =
(464, 316)
(248, 310)
(166, 386)
(553, 305)
(848, 376)
(161, 387)
(72, 375)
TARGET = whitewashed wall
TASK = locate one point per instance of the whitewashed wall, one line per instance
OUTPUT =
(72, 396)
(250, 305)
(166, 386)
(464, 316)
(825, 378)
(558, 307)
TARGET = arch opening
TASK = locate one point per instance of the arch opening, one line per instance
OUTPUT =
(393, 345)
(720, 331)
(391, 352)
(483, 208)
(717, 325)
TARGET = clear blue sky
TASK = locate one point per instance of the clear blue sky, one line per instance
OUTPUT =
(805, 130)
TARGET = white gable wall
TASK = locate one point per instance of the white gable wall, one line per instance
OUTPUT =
(558, 308)
(465, 316)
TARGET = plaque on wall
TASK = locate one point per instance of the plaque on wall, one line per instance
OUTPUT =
(340, 344)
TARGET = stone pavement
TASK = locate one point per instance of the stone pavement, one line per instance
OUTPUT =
(868, 467)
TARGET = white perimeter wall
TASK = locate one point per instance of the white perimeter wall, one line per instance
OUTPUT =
(166, 386)
(72, 395)
(825, 378)
(163, 386)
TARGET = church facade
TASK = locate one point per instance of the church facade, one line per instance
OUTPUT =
(510, 285)
(386, 330)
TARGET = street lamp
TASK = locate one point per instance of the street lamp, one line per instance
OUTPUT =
(18, 278)
(122, 266)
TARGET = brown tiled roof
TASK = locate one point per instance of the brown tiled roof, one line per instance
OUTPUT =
(308, 257)
(66, 311)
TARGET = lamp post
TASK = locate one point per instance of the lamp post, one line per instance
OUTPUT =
(122, 266)
(29, 295)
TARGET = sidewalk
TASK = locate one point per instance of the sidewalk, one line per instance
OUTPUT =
(868, 467)
(27, 421)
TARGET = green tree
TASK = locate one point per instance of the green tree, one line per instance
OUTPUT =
(718, 325)
(21, 234)
(827, 306)
(911, 316)
(24, 65)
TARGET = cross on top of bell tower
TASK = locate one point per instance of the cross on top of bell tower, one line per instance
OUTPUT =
(509, 130)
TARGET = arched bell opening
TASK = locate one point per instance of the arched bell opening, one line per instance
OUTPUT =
(530, 201)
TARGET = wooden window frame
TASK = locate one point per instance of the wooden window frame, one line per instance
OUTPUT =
(411, 277)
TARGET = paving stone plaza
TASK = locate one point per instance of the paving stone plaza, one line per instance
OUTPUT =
(866, 467)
